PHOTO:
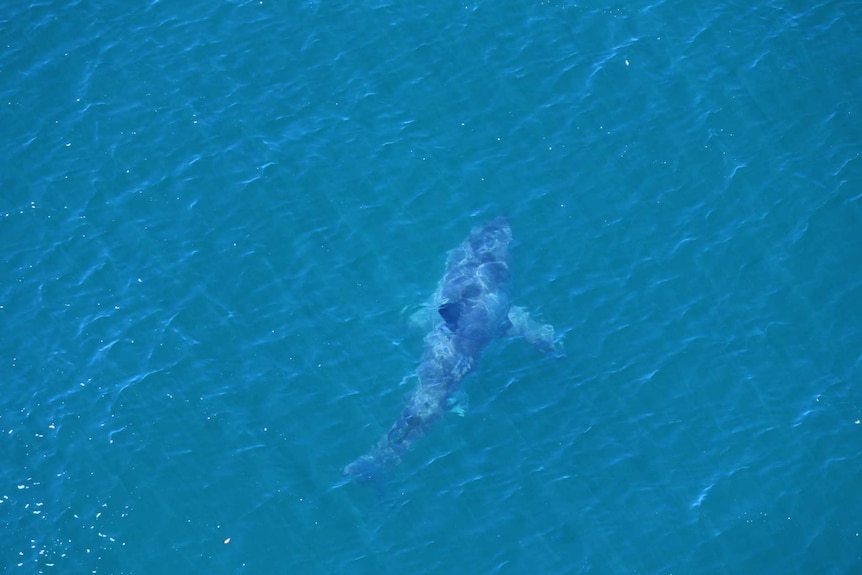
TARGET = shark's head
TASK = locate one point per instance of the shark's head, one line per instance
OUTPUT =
(491, 241)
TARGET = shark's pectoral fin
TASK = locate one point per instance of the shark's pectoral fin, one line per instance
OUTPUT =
(421, 318)
(541, 335)
(458, 403)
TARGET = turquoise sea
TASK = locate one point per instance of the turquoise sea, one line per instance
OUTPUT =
(217, 218)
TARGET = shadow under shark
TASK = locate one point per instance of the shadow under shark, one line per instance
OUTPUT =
(469, 309)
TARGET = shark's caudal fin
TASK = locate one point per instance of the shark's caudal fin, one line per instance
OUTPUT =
(366, 469)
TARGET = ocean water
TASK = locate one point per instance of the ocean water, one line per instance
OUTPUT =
(216, 218)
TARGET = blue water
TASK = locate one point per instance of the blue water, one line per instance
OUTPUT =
(216, 218)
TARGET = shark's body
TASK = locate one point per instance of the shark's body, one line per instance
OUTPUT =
(469, 309)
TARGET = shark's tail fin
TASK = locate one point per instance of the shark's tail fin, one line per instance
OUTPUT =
(367, 470)
(363, 470)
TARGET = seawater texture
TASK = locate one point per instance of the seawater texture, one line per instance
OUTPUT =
(216, 218)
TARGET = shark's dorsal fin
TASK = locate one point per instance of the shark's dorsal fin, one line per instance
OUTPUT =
(450, 312)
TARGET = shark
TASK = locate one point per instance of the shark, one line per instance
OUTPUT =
(469, 309)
